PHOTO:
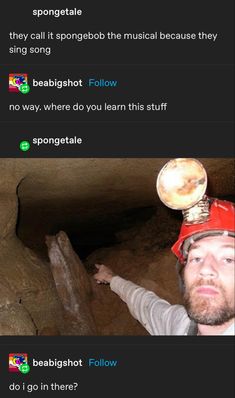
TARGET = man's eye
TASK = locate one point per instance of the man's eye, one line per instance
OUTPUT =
(229, 260)
(195, 260)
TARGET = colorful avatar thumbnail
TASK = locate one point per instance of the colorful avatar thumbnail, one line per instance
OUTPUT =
(15, 81)
(16, 360)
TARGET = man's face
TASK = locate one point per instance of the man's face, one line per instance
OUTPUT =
(209, 280)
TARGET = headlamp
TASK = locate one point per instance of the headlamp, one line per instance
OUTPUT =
(181, 185)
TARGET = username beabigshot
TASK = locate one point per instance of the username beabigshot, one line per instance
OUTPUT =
(57, 363)
(57, 83)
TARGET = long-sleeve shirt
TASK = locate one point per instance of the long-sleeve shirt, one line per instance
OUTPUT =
(156, 315)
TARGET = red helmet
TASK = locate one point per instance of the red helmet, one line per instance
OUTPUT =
(221, 221)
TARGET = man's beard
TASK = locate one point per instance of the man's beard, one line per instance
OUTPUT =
(208, 310)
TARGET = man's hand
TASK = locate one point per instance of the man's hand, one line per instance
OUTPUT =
(104, 274)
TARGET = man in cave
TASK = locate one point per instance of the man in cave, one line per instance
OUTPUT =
(205, 254)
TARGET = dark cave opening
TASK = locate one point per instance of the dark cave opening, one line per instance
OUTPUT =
(100, 235)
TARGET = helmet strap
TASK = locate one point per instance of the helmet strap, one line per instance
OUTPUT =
(179, 268)
(193, 329)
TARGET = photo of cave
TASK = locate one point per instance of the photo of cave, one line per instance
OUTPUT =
(60, 217)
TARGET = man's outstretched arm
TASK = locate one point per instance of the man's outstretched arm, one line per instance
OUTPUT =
(156, 315)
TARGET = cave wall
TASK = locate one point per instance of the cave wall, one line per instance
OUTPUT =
(28, 299)
(142, 256)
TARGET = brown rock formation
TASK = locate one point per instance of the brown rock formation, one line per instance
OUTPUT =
(72, 284)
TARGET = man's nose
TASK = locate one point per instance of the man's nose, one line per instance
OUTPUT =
(209, 267)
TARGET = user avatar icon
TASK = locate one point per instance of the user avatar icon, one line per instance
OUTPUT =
(16, 80)
(16, 360)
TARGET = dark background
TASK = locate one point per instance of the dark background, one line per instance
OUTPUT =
(161, 366)
(196, 79)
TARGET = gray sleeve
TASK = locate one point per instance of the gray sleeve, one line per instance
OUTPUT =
(156, 315)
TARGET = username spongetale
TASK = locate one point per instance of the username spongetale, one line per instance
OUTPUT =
(57, 141)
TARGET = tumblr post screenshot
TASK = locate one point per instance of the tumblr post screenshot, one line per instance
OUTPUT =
(117, 198)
